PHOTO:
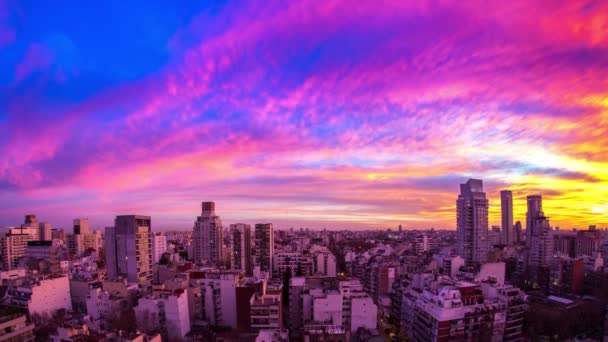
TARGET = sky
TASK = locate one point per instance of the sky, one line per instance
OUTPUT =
(320, 114)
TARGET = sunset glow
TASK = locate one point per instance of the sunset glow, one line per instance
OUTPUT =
(349, 114)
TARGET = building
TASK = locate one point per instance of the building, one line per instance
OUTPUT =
(327, 308)
(38, 230)
(266, 312)
(472, 222)
(12, 249)
(39, 296)
(519, 235)
(272, 336)
(506, 211)
(564, 242)
(240, 239)
(264, 246)
(358, 308)
(207, 237)
(15, 328)
(455, 312)
(299, 264)
(539, 234)
(82, 242)
(364, 314)
(588, 242)
(128, 249)
(325, 261)
(167, 311)
(218, 296)
(159, 246)
(42, 256)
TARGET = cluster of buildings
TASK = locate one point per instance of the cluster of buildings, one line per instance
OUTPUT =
(243, 282)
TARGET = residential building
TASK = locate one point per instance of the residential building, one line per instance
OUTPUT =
(539, 233)
(39, 296)
(472, 222)
(264, 246)
(266, 312)
(240, 239)
(12, 249)
(159, 246)
(167, 311)
(506, 210)
(15, 328)
(218, 296)
(207, 237)
(128, 249)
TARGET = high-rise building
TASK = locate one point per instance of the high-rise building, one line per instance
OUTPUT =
(37, 230)
(81, 238)
(472, 222)
(12, 249)
(506, 210)
(240, 237)
(519, 235)
(128, 249)
(264, 246)
(208, 237)
(539, 234)
(159, 246)
(81, 226)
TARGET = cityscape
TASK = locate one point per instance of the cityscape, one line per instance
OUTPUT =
(252, 282)
(304, 171)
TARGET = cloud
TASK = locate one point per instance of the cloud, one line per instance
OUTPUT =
(340, 113)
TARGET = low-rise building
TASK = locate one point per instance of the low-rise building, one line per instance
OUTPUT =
(167, 311)
(266, 312)
(15, 327)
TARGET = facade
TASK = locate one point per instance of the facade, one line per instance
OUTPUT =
(159, 246)
(207, 237)
(539, 234)
(588, 242)
(266, 312)
(167, 311)
(324, 261)
(327, 308)
(358, 308)
(506, 210)
(128, 249)
(264, 246)
(82, 241)
(43, 257)
(12, 249)
(472, 222)
(218, 297)
(15, 328)
(298, 263)
(364, 313)
(40, 296)
(240, 238)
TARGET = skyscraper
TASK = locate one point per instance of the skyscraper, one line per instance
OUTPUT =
(240, 237)
(128, 249)
(535, 209)
(506, 206)
(538, 233)
(207, 237)
(264, 246)
(472, 222)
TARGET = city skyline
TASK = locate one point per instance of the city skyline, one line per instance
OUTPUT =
(332, 119)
